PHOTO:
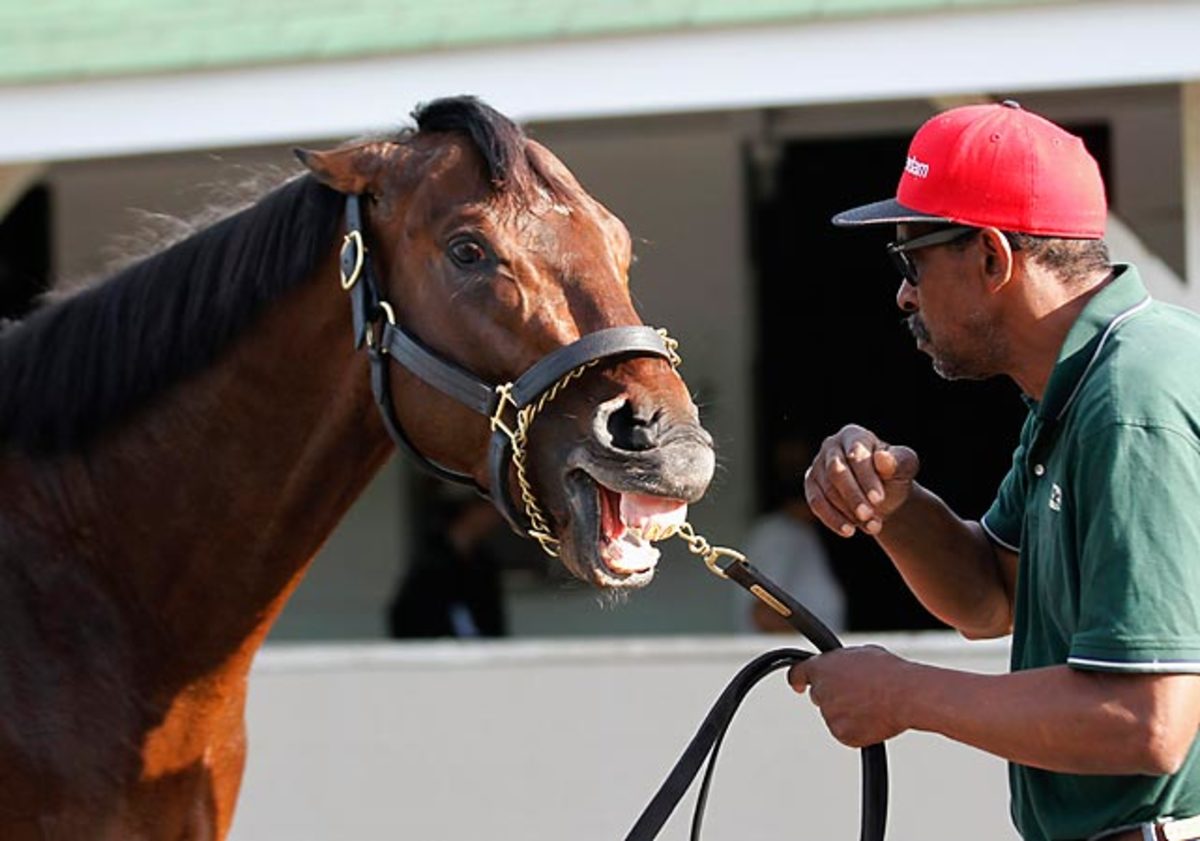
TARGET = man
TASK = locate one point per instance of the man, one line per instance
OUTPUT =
(1090, 554)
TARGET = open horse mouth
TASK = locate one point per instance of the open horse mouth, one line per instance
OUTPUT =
(620, 498)
(611, 536)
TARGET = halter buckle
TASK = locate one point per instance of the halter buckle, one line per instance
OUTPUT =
(354, 262)
(390, 316)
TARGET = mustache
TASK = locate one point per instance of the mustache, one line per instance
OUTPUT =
(917, 327)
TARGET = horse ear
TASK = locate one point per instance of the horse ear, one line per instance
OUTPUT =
(348, 169)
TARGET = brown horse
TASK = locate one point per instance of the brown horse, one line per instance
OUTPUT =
(178, 441)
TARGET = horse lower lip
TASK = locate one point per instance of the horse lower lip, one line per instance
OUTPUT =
(628, 556)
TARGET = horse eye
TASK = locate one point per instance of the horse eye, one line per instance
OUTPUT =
(467, 253)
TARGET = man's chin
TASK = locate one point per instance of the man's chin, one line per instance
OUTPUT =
(954, 372)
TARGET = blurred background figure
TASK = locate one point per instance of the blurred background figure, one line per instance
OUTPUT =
(787, 547)
(451, 586)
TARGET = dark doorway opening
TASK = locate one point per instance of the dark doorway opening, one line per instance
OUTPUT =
(25, 262)
(832, 349)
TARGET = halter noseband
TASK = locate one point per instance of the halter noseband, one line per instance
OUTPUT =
(375, 325)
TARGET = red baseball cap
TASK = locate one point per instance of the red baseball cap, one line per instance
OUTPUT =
(995, 166)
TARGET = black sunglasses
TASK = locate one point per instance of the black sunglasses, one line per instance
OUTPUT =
(899, 251)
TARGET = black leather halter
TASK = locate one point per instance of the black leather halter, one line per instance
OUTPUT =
(376, 326)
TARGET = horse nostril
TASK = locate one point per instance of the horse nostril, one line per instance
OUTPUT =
(632, 430)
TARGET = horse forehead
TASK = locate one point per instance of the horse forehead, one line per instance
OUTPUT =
(574, 207)
(585, 241)
(550, 203)
(448, 172)
(559, 221)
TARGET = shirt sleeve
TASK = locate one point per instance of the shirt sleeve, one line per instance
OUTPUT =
(1137, 490)
(1002, 522)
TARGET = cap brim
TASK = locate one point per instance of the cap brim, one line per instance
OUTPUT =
(881, 213)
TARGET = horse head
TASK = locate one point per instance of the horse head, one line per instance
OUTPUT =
(493, 256)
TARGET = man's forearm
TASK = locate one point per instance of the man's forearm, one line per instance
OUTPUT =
(1058, 718)
(950, 565)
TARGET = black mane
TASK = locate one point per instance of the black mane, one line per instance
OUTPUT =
(74, 368)
(78, 366)
(500, 141)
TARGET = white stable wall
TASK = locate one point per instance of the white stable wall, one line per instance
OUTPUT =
(546, 741)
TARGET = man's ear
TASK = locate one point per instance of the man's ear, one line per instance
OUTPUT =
(998, 258)
(351, 170)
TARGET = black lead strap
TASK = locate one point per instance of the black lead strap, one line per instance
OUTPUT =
(706, 744)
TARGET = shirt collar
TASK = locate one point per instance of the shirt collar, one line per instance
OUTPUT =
(1123, 297)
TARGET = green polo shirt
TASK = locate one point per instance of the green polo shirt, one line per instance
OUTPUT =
(1103, 504)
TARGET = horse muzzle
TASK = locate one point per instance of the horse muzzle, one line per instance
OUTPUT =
(627, 488)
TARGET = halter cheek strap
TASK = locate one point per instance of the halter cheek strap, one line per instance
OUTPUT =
(367, 307)
(510, 407)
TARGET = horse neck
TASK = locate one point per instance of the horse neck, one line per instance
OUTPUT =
(209, 506)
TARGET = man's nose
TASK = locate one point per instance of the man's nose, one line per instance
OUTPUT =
(906, 297)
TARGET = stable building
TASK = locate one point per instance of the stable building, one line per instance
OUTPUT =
(724, 134)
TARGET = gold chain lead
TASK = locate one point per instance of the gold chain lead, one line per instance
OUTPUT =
(698, 545)
(539, 529)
